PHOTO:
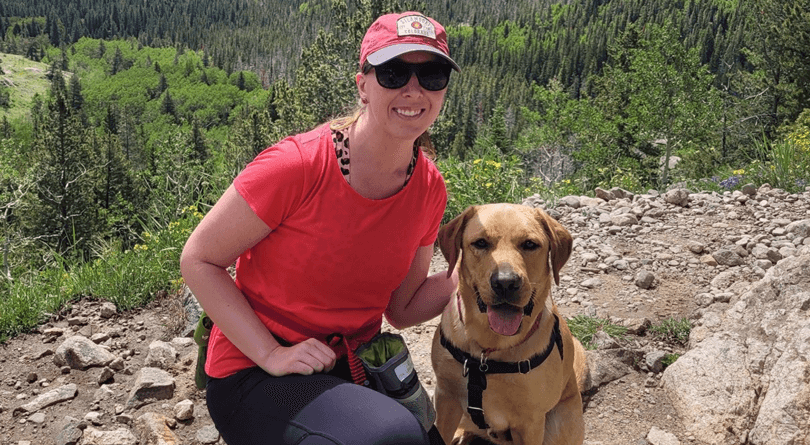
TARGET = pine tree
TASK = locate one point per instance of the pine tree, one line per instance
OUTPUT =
(167, 106)
(76, 97)
(64, 213)
(199, 150)
(117, 62)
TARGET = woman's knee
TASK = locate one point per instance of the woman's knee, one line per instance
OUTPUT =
(355, 415)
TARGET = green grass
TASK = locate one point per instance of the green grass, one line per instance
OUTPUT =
(584, 328)
(28, 79)
(128, 278)
(672, 330)
(670, 359)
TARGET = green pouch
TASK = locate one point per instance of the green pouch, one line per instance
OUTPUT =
(201, 335)
(390, 370)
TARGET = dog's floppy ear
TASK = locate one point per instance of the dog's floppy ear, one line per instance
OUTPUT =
(450, 238)
(561, 243)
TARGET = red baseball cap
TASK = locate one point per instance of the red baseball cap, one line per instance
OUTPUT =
(392, 35)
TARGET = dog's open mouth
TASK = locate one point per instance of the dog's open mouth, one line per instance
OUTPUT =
(504, 318)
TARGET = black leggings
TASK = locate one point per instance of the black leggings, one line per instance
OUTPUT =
(252, 407)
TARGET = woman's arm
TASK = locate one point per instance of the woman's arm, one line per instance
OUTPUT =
(229, 229)
(420, 297)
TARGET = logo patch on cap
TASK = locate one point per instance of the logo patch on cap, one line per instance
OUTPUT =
(416, 25)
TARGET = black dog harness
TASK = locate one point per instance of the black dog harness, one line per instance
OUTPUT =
(476, 370)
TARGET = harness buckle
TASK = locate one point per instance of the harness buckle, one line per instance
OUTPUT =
(528, 367)
(483, 367)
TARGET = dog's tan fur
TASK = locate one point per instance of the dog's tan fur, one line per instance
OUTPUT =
(545, 405)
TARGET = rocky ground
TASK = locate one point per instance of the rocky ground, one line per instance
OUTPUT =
(92, 375)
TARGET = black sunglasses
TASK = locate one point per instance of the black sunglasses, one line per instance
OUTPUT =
(394, 74)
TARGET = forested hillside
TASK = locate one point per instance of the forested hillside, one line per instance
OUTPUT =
(152, 107)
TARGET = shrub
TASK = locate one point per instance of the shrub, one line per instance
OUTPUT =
(485, 180)
(783, 163)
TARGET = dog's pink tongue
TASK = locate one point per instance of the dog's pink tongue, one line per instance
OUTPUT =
(504, 320)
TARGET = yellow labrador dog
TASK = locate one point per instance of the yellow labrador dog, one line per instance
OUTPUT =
(507, 368)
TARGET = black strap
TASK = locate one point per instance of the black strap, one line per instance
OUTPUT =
(476, 370)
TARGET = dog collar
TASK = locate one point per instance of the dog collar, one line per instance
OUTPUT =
(476, 370)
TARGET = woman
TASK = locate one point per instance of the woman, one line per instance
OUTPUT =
(331, 229)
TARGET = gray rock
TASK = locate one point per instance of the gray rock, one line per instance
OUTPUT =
(193, 311)
(184, 410)
(591, 283)
(207, 434)
(587, 201)
(604, 367)
(708, 260)
(589, 257)
(644, 279)
(161, 355)
(602, 340)
(763, 264)
(636, 326)
(107, 310)
(799, 228)
(151, 384)
(61, 394)
(626, 219)
(725, 279)
(120, 436)
(604, 194)
(570, 201)
(679, 197)
(696, 247)
(71, 432)
(79, 352)
(655, 361)
(763, 252)
(745, 381)
(727, 257)
(749, 189)
(620, 193)
(707, 385)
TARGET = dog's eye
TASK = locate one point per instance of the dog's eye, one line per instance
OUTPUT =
(480, 243)
(529, 245)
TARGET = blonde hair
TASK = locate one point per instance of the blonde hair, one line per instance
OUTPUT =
(344, 122)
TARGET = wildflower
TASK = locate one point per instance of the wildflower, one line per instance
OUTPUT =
(739, 172)
(731, 182)
(477, 161)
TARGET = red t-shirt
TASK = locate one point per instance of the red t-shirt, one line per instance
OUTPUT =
(334, 256)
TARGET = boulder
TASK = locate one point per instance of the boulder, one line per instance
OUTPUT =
(746, 381)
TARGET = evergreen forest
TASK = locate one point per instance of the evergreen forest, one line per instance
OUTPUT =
(147, 110)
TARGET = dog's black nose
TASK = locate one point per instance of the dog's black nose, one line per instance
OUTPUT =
(505, 283)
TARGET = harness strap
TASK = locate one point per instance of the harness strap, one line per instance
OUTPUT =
(476, 370)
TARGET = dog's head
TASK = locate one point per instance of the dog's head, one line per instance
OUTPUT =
(509, 254)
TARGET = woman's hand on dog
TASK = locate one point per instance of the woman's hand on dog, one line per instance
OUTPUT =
(308, 357)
